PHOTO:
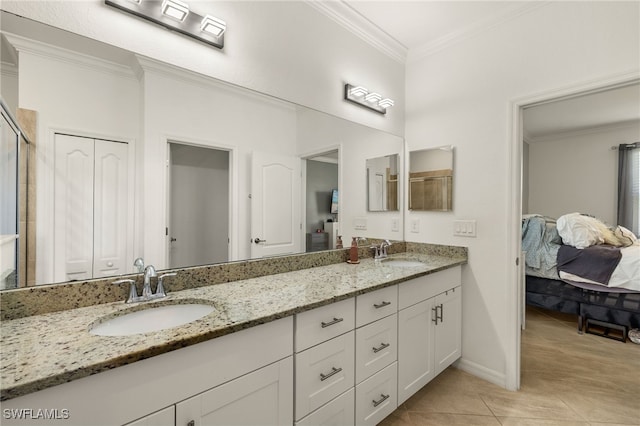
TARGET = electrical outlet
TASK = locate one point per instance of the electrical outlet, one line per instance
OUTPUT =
(415, 225)
(464, 228)
(395, 225)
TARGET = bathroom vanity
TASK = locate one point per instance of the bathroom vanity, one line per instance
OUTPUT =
(340, 341)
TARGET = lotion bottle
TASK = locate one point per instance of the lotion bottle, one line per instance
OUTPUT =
(353, 251)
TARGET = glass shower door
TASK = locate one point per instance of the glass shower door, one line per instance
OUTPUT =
(9, 242)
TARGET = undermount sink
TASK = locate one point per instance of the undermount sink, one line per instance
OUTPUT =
(402, 263)
(151, 319)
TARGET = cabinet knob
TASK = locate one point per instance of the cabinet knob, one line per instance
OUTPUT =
(191, 423)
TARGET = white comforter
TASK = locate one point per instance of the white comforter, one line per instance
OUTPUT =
(626, 275)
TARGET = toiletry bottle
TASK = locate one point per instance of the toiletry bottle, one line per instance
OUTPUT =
(339, 242)
(353, 252)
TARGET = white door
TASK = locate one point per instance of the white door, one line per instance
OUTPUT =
(73, 208)
(110, 209)
(263, 397)
(90, 208)
(275, 204)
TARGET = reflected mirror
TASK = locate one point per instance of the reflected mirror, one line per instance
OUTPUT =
(95, 92)
(431, 179)
(382, 183)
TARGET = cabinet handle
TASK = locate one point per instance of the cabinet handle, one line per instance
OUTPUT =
(382, 399)
(333, 371)
(381, 305)
(434, 317)
(330, 323)
(441, 312)
(381, 347)
(191, 423)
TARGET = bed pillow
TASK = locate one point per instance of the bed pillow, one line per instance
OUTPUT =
(580, 231)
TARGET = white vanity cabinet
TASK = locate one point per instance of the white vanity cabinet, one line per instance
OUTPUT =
(263, 397)
(429, 328)
(249, 359)
(166, 417)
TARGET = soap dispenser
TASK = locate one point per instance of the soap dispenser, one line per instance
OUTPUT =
(353, 251)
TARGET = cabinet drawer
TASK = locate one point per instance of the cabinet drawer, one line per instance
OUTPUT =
(376, 346)
(324, 372)
(375, 305)
(323, 323)
(425, 287)
(339, 412)
(376, 397)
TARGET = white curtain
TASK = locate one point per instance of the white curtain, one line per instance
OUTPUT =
(629, 186)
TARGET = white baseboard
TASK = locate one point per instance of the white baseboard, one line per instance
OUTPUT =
(484, 373)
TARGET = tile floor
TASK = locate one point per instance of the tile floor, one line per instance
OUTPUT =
(567, 379)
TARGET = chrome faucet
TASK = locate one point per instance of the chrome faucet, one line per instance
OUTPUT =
(147, 294)
(149, 272)
(380, 252)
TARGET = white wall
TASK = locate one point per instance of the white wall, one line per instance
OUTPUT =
(463, 96)
(319, 133)
(183, 107)
(80, 96)
(577, 173)
(283, 48)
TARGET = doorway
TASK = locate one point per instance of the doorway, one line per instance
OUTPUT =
(321, 200)
(524, 200)
(198, 225)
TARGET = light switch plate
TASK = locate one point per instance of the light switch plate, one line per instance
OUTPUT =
(395, 225)
(464, 228)
(360, 223)
(415, 225)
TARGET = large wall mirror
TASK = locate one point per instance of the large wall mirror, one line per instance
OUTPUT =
(106, 113)
(431, 179)
(382, 183)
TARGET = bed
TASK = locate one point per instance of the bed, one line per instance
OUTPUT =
(578, 265)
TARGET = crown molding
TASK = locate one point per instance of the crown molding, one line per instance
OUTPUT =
(582, 131)
(9, 69)
(357, 24)
(48, 51)
(144, 65)
(478, 27)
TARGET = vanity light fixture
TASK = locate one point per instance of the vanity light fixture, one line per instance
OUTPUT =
(175, 9)
(361, 96)
(213, 25)
(176, 15)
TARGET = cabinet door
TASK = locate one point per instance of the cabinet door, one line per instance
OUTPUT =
(166, 417)
(338, 412)
(263, 397)
(448, 331)
(376, 397)
(415, 348)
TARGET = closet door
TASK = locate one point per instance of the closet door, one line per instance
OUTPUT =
(110, 209)
(73, 208)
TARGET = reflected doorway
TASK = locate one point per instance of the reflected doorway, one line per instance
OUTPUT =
(321, 201)
(198, 225)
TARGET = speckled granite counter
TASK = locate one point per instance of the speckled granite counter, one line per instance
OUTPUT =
(45, 350)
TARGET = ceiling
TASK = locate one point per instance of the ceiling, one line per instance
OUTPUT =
(415, 29)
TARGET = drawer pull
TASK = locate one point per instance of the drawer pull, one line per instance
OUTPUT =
(381, 347)
(330, 323)
(382, 399)
(333, 371)
(381, 304)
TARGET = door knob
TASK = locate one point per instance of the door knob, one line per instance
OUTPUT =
(258, 241)
(173, 239)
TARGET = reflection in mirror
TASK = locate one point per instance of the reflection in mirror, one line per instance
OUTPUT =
(431, 179)
(382, 183)
(97, 91)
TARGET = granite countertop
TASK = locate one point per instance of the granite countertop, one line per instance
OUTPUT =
(41, 351)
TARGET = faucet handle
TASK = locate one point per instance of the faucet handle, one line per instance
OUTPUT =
(133, 293)
(160, 291)
(139, 264)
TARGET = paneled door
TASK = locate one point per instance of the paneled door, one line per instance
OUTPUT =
(90, 208)
(275, 204)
